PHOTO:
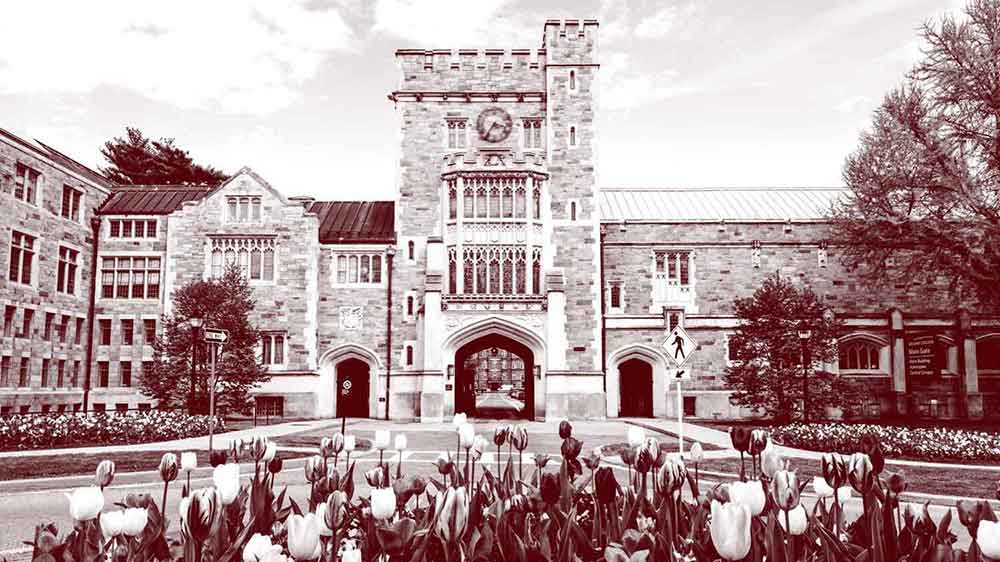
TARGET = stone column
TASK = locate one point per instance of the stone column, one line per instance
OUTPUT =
(971, 398)
(432, 378)
(898, 350)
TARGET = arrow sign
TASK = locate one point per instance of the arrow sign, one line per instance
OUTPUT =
(683, 374)
(214, 335)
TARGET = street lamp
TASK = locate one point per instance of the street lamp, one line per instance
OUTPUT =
(195, 323)
(804, 335)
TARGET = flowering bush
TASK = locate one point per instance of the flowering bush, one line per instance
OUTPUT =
(57, 430)
(932, 444)
(577, 513)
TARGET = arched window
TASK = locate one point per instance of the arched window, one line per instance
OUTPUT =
(469, 203)
(572, 210)
(409, 306)
(255, 263)
(572, 136)
(452, 203)
(572, 80)
(452, 275)
(988, 355)
(859, 355)
(536, 203)
(217, 263)
(409, 356)
(410, 250)
(536, 276)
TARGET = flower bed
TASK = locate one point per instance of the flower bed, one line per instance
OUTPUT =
(922, 443)
(62, 430)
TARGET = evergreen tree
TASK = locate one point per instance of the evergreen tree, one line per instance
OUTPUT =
(137, 160)
(221, 303)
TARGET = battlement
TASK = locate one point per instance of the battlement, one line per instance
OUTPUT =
(570, 41)
(486, 70)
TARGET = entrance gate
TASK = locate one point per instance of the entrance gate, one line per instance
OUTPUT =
(636, 386)
(494, 378)
(352, 388)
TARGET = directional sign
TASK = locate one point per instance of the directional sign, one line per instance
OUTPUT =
(679, 346)
(214, 335)
(677, 375)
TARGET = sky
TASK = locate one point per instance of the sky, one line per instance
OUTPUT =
(709, 93)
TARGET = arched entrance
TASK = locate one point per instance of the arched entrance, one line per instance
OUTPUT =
(493, 378)
(636, 389)
(353, 379)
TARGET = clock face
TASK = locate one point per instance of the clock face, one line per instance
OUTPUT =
(494, 124)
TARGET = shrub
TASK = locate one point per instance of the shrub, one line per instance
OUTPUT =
(23, 432)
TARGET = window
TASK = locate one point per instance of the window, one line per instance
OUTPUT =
(71, 203)
(149, 330)
(616, 296)
(859, 355)
(46, 408)
(690, 405)
(456, 133)
(126, 277)
(61, 408)
(572, 210)
(66, 272)
(572, 136)
(273, 348)
(128, 331)
(61, 373)
(24, 409)
(100, 407)
(409, 305)
(147, 367)
(24, 374)
(45, 373)
(988, 355)
(50, 317)
(243, 208)
(145, 406)
(132, 228)
(411, 252)
(8, 320)
(26, 184)
(5, 370)
(358, 269)
(104, 328)
(409, 356)
(253, 256)
(78, 335)
(103, 369)
(26, 320)
(22, 255)
(121, 407)
(5, 410)
(125, 371)
(572, 80)
(532, 133)
(75, 381)
(270, 406)
(62, 328)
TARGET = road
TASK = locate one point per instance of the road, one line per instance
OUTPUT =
(498, 405)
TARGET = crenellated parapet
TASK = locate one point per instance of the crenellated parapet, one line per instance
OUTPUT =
(570, 41)
(470, 70)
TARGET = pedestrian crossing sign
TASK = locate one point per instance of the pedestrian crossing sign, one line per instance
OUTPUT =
(679, 346)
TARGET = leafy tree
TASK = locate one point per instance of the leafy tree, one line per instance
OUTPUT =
(925, 180)
(766, 374)
(221, 303)
(137, 160)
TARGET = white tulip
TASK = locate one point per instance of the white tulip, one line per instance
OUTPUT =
(350, 443)
(382, 439)
(135, 519)
(85, 503)
(843, 494)
(466, 435)
(269, 451)
(750, 494)
(383, 503)
(112, 523)
(821, 488)
(189, 461)
(259, 548)
(459, 420)
(226, 478)
(988, 538)
(636, 436)
(321, 515)
(401, 442)
(796, 518)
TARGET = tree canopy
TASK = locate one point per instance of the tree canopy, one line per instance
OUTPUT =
(221, 303)
(137, 160)
(766, 374)
(924, 206)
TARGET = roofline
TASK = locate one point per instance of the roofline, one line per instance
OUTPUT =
(817, 220)
(748, 188)
(39, 152)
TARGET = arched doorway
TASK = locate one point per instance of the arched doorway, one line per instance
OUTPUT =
(494, 378)
(353, 379)
(636, 389)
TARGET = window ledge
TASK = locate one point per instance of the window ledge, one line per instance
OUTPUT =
(863, 374)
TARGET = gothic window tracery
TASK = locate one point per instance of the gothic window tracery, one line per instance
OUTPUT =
(253, 256)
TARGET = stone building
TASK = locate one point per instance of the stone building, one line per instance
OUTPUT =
(500, 278)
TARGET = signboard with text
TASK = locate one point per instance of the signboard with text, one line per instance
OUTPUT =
(923, 357)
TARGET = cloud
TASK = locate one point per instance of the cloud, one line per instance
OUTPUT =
(454, 24)
(854, 103)
(187, 53)
(657, 25)
(624, 86)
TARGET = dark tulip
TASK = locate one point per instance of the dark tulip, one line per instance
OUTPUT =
(571, 447)
(970, 513)
(565, 430)
(500, 435)
(897, 483)
(217, 457)
(549, 488)
(643, 460)
(628, 457)
(275, 465)
(605, 485)
(741, 438)
(139, 500)
(871, 447)
(834, 470)
(541, 461)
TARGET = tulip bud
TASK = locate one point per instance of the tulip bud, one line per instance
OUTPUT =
(134, 521)
(478, 445)
(105, 473)
(500, 435)
(740, 437)
(771, 462)
(785, 489)
(258, 447)
(139, 500)
(459, 420)
(383, 502)
(636, 436)
(970, 513)
(605, 485)
(350, 443)
(627, 455)
(444, 463)
(326, 447)
(988, 539)
(314, 469)
(303, 536)
(466, 435)
(234, 449)
(672, 475)
(519, 437)
(749, 493)
(338, 443)
(189, 461)
(896, 483)
(400, 442)
(797, 520)
(226, 478)
(571, 447)
(417, 484)
(730, 530)
(541, 460)
(269, 451)
(274, 466)
(215, 458)
(834, 469)
(871, 447)
(859, 472)
(168, 467)
(758, 441)
(565, 430)
(375, 477)
(695, 452)
(453, 509)
(336, 510)
(200, 514)
(382, 439)
(643, 460)
(112, 523)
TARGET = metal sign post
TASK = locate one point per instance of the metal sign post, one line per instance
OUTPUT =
(680, 346)
(679, 375)
(214, 338)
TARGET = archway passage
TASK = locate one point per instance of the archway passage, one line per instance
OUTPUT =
(353, 378)
(494, 378)
(636, 388)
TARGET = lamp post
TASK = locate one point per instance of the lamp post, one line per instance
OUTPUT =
(804, 335)
(195, 323)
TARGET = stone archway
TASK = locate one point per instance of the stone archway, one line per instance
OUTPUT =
(656, 374)
(494, 378)
(635, 389)
(360, 367)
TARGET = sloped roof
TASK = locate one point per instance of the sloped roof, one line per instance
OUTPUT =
(717, 204)
(57, 157)
(151, 199)
(362, 222)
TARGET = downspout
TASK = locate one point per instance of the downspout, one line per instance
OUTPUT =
(389, 254)
(604, 321)
(95, 230)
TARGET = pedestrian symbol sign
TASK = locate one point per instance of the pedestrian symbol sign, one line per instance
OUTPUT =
(679, 346)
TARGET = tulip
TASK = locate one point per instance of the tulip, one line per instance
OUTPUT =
(234, 449)
(870, 446)
(466, 435)
(695, 452)
(112, 523)
(383, 503)
(200, 514)
(988, 538)
(771, 462)
(85, 503)
(270, 450)
(896, 483)
(643, 460)
(260, 549)
(740, 437)
(189, 461)
(459, 420)
(859, 472)
(259, 447)
(350, 554)
(797, 520)
(605, 485)
(519, 437)
(375, 477)
(326, 447)
(478, 445)
(350, 443)
(750, 493)
(500, 435)
(336, 510)
(834, 469)
(672, 475)
(843, 494)
(636, 436)
(549, 488)
(730, 530)
(274, 466)
(217, 457)
(303, 536)
(970, 513)
(822, 488)
(314, 469)
(785, 489)
(598, 452)
(138, 500)
(401, 442)
(541, 460)
(444, 463)
(452, 507)
(168, 467)
(321, 515)
(337, 443)
(652, 448)
(571, 447)
(105, 473)
(565, 430)
(382, 439)
(226, 478)
(134, 521)
(758, 441)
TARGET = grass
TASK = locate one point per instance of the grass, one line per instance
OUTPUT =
(17, 468)
(668, 446)
(953, 482)
(312, 440)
